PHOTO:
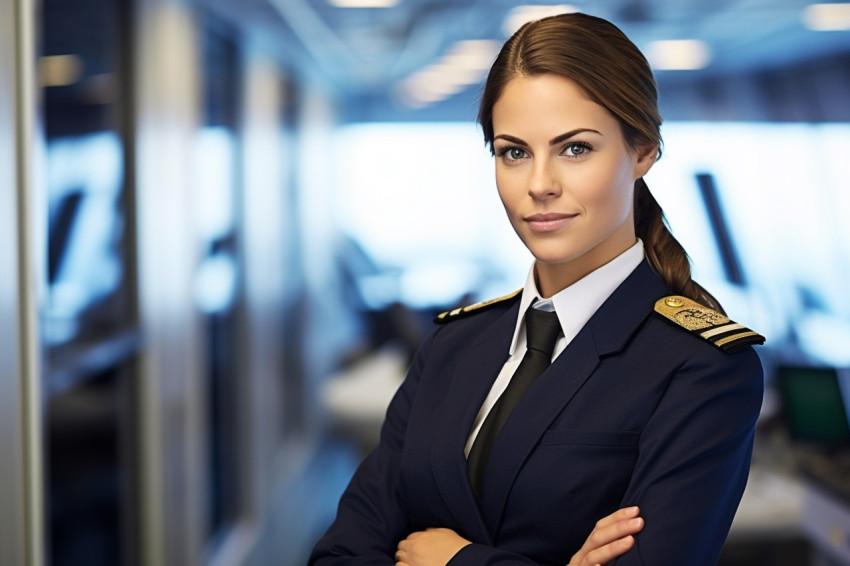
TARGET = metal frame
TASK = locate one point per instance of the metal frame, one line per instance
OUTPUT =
(21, 491)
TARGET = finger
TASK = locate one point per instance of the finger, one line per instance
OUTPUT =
(610, 551)
(613, 532)
(619, 515)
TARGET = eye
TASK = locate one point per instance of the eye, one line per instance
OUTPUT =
(512, 153)
(576, 149)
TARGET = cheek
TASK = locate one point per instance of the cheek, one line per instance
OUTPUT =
(610, 193)
(507, 189)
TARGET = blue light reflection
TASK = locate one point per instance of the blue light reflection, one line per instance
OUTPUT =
(84, 180)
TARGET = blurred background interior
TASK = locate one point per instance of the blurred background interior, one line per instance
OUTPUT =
(225, 225)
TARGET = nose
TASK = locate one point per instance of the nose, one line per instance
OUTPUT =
(543, 184)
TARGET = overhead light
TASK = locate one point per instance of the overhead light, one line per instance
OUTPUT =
(471, 55)
(464, 64)
(413, 95)
(363, 3)
(827, 17)
(678, 54)
(528, 13)
(60, 70)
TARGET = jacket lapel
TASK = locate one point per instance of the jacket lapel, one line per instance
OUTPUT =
(471, 380)
(606, 332)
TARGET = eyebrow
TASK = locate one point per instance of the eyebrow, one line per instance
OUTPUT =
(554, 141)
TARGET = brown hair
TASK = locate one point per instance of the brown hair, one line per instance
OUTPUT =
(611, 70)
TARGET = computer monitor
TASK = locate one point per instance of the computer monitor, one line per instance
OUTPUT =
(814, 404)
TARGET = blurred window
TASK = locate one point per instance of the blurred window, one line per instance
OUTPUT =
(781, 190)
(88, 325)
(421, 203)
(767, 234)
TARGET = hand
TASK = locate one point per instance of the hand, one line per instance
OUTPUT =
(431, 547)
(610, 538)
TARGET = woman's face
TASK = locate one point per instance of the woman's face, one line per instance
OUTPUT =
(565, 173)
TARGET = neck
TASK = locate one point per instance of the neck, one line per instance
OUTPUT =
(551, 278)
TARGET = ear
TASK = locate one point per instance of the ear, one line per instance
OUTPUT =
(645, 157)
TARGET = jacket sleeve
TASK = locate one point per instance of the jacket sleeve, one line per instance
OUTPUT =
(371, 517)
(483, 555)
(694, 459)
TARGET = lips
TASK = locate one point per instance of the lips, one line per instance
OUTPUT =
(548, 222)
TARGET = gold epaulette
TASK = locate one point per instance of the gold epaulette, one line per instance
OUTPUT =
(707, 323)
(461, 312)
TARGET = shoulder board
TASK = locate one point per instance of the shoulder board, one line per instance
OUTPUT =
(706, 323)
(461, 312)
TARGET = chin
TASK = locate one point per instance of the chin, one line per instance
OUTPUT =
(554, 257)
(557, 253)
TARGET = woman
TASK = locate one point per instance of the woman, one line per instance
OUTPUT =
(652, 395)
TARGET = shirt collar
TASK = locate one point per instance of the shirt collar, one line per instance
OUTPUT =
(578, 302)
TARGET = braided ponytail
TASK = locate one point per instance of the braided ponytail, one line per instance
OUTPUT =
(664, 252)
(595, 55)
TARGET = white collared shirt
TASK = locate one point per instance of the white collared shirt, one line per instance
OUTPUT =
(574, 307)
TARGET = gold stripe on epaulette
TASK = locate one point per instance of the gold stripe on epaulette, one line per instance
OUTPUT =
(456, 313)
(721, 329)
(728, 339)
(489, 302)
(707, 323)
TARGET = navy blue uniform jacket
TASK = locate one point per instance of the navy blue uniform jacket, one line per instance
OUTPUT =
(635, 411)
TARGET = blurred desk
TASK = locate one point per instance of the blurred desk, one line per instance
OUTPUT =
(826, 501)
(826, 522)
(357, 398)
(772, 507)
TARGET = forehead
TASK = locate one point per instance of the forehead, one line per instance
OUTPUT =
(545, 104)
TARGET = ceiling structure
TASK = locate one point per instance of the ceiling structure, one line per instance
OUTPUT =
(367, 54)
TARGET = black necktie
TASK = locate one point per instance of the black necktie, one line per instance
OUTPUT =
(541, 331)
